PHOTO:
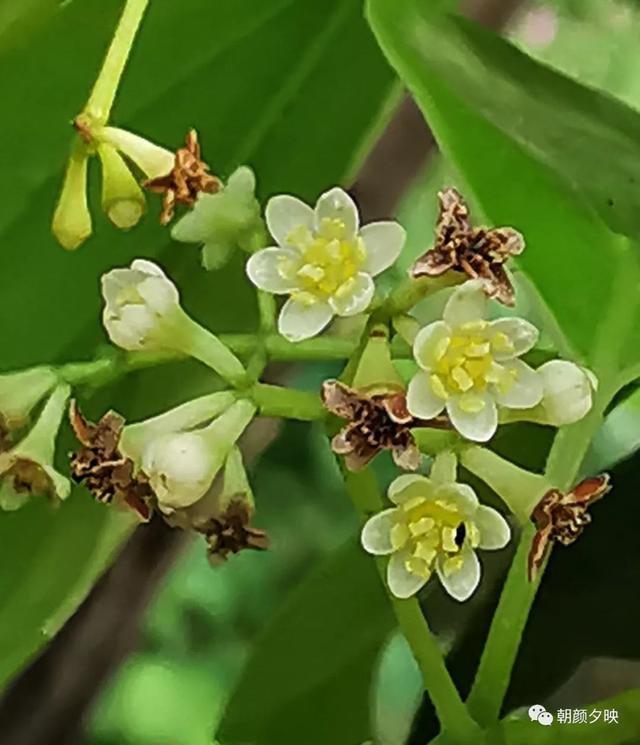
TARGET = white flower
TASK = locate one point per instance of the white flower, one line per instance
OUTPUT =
(141, 307)
(436, 525)
(470, 366)
(181, 466)
(567, 392)
(324, 261)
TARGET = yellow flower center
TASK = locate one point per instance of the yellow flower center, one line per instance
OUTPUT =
(465, 364)
(329, 261)
(429, 528)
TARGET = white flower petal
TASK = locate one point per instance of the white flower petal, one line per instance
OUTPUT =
(159, 294)
(467, 303)
(461, 494)
(568, 391)
(477, 425)
(285, 214)
(495, 531)
(376, 533)
(430, 343)
(522, 336)
(299, 321)
(462, 583)
(263, 269)
(354, 296)
(422, 402)
(383, 242)
(336, 204)
(409, 486)
(148, 267)
(403, 583)
(526, 389)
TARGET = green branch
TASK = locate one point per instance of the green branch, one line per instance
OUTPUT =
(106, 86)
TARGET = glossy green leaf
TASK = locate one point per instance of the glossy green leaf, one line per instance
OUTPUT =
(510, 139)
(589, 139)
(292, 110)
(312, 669)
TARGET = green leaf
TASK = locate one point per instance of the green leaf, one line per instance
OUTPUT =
(521, 731)
(513, 128)
(311, 671)
(589, 139)
(262, 83)
(50, 561)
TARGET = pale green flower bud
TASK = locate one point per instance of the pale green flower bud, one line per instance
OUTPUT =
(567, 392)
(21, 391)
(181, 467)
(122, 197)
(224, 221)
(154, 161)
(142, 312)
(187, 416)
(27, 469)
(71, 223)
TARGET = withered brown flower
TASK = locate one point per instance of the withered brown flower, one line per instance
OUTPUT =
(375, 422)
(100, 466)
(562, 517)
(479, 252)
(231, 532)
(189, 176)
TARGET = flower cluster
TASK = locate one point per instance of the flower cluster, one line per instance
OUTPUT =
(468, 372)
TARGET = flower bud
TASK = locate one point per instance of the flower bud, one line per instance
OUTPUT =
(122, 197)
(567, 392)
(142, 312)
(71, 223)
(142, 307)
(27, 469)
(21, 391)
(154, 161)
(187, 416)
(224, 221)
(181, 466)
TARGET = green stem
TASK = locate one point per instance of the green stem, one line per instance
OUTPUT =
(499, 655)
(200, 343)
(410, 292)
(267, 311)
(289, 403)
(105, 88)
(321, 348)
(452, 713)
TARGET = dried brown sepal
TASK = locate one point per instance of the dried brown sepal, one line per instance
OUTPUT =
(100, 466)
(375, 423)
(479, 252)
(232, 532)
(562, 517)
(188, 177)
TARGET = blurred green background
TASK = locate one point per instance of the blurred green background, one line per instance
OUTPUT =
(296, 645)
